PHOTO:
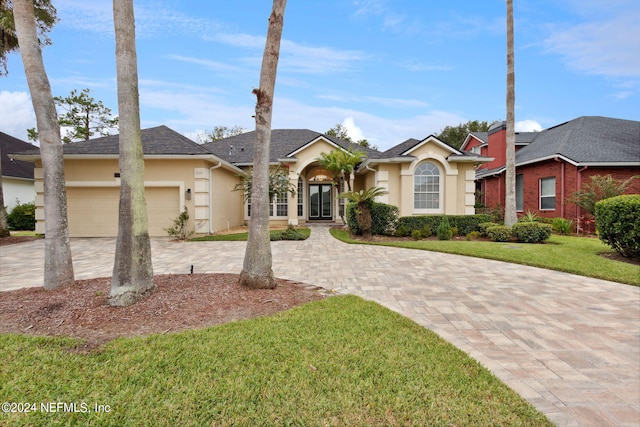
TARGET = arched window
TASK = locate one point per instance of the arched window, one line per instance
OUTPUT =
(426, 186)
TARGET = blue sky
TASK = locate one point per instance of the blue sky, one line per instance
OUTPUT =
(387, 69)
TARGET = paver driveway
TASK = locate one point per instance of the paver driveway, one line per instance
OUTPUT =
(568, 344)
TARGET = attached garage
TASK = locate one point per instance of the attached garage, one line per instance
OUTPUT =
(93, 211)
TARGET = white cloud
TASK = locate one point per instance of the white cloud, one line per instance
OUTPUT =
(381, 131)
(528, 126)
(16, 114)
(607, 46)
(354, 132)
(318, 60)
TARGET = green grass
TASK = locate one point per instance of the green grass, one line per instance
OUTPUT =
(577, 255)
(342, 361)
(242, 237)
(26, 233)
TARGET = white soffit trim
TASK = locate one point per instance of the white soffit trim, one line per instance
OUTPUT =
(436, 141)
(313, 141)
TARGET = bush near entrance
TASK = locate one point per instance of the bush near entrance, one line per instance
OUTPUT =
(383, 218)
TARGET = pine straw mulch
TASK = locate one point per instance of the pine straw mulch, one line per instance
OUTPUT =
(179, 302)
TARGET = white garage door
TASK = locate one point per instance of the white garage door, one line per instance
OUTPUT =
(93, 212)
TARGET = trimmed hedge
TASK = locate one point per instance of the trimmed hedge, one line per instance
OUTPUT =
(531, 232)
(384, 219)
(618, 224)
(499, 233)
(464, 223)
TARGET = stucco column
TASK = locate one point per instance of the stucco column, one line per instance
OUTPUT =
(293, 199)
(406, 193)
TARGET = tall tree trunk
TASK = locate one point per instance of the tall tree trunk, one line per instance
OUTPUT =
(58, 264)
(510, 216)
(256, 271)
(4, 230)
(132, 270)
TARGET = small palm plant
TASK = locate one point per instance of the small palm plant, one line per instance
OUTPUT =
(363, 200)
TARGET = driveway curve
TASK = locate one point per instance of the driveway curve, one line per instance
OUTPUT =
(568, 344)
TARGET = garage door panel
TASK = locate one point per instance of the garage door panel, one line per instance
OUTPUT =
(93, 212)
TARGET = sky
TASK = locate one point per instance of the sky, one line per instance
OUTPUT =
(388, 70)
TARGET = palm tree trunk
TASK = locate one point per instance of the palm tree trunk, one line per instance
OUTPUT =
(132, 270)
(510, 216)
(58, 269)
(257, 272)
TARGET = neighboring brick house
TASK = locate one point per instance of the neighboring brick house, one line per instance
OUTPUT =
(551, 165)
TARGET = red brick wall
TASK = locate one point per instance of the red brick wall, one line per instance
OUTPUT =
(494, 194)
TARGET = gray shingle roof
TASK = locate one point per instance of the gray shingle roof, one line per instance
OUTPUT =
(12, 167)
(239, 149)
(397, 150)
(155, 141)
(587, 139)
(482, 136)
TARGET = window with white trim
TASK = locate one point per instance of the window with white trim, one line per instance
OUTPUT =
(519, 192)
(426, 187)
(279, 205)
(300, 197)
(548, 193)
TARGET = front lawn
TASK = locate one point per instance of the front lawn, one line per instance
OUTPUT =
(577, 255)
(342, 361)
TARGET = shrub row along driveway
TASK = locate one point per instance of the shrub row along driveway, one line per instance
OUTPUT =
(568, 344)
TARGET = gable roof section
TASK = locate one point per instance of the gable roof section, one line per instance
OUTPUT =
(482, 137)
(587, 140)
(285, 143)
(155, 141)
(13, 167)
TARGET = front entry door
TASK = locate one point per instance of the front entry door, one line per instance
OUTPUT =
(320, 201)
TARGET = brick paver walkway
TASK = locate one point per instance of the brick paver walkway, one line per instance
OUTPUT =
(570, 345)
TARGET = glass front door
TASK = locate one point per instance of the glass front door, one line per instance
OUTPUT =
(320, 201)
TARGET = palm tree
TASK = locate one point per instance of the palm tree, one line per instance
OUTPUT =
(132, 269)
(341, 164)
(256, 270)
(363, 200)
(510, 215)
(58, 262)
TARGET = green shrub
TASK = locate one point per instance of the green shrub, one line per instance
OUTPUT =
(482, 227)
(384, 219)
(529, 217)
(179, 228)
(416, 235)
(464, 223)
(444, 231)
(22, 217)
(403, 231)
(499, 233)
(473, 235)
(454, 231)
(426, 231)
(562, 225)
(618, 224)
(291, 233)
(531, 232)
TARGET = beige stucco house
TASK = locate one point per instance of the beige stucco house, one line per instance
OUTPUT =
(421, 177)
